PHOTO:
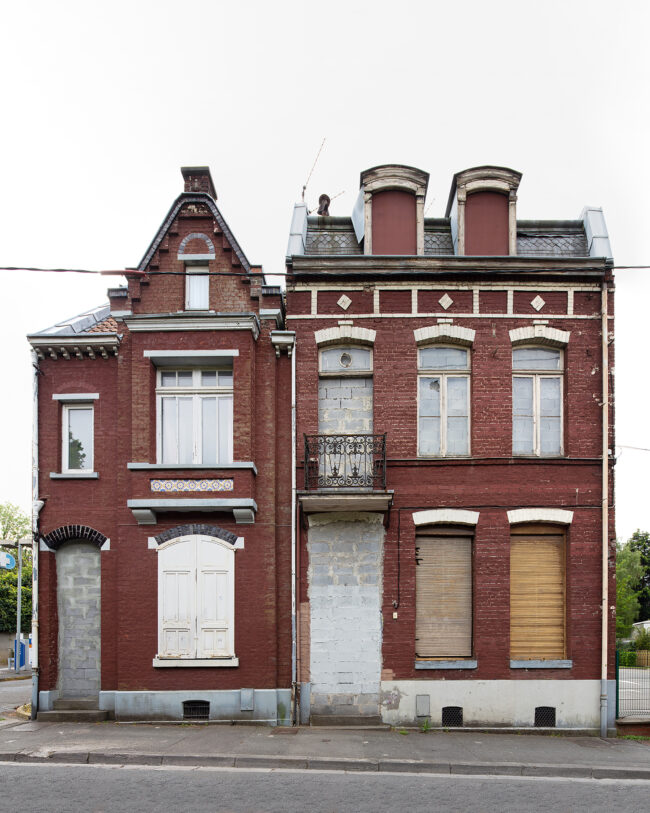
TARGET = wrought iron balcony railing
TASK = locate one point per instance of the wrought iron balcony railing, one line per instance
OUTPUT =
(345, 461)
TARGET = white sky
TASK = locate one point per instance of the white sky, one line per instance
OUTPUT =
(102, 103)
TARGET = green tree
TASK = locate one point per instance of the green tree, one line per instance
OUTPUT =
(14, 525)
(629, 572)
(640, 541)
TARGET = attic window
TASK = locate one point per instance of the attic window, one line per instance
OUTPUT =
(394, 222)
(486, 224)
(197, 287)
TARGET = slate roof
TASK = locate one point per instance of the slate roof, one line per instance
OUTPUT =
(328, 236)
(94, 320)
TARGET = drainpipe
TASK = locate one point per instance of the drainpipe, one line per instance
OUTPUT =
(36, 509)
(605, 511)
(294, 620)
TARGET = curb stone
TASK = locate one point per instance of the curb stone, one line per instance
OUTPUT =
(330, 764)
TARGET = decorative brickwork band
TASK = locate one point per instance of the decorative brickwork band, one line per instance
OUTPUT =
(445, 516)
(555, 515)
(454, 334)
(540, 334)
(66, 533)
(196, 530)
(334, 335)
(196, 236)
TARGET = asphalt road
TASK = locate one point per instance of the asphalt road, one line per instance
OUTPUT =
(104, 789)
(14, 693)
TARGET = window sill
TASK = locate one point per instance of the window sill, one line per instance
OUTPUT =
(451, 664)
(531, 456)
(192, 466)
(74, 475)
(211, 662)
(550, 664)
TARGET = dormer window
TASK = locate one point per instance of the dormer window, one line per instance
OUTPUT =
(389, 215)
(486, 224)
(482, 210)
(197, 288)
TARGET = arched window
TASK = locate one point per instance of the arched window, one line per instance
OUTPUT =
(537, 413)
(443, 400)
(196, 602)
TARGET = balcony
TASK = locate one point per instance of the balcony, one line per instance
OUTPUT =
(345, 472)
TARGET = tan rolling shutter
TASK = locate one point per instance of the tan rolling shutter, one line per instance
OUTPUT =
(443, 585)
(537, 597)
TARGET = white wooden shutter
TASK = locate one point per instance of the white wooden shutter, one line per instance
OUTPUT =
(215, 599)
(443, 585)
(177, 601)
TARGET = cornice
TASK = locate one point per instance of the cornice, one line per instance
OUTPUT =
(172, 322)
(387, 266)
(86, 345)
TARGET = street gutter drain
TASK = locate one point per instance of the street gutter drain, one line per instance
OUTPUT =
(196, 710)
(545, 717)
(452, 716)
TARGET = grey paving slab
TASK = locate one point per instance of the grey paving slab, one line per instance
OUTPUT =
(326, 749)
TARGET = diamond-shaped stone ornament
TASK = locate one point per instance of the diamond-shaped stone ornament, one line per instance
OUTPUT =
(538, 303)
(446, 301)
(344, 302)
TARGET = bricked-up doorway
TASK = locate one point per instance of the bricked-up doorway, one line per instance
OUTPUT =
(78, 571)
(345, 550)
(345, 589)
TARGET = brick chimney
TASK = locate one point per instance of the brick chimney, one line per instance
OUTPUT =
(198, 179)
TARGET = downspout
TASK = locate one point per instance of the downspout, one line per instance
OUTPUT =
(36, 509)
(294, 624)
(605, 511)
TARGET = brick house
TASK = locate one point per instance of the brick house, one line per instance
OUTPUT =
(454, 422)
(163, 452)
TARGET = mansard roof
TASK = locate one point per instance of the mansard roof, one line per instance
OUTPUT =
(535, 238)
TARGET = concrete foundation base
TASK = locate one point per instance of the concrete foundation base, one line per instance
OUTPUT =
(269, 706)
(490, 704)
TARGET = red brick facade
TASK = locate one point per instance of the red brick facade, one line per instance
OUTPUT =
(491, 296)
(125, 432)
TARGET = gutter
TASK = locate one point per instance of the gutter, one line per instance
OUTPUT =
(605, 512)
(37, 505)
(294, 619)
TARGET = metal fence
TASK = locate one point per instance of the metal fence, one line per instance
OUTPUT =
(633, 684)
(345, 461)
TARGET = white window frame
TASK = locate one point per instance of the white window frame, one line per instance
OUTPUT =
(196, 271)
(444, 375)
(65, 441)
(189, 554)
(196, 392)
(536, 376)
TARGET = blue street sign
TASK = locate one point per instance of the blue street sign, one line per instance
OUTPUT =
(7, 561)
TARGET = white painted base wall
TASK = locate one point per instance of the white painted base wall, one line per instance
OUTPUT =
(497, 702)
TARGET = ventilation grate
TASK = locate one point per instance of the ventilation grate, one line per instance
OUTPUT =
(452, 716)
(196, 710)
(545, 717)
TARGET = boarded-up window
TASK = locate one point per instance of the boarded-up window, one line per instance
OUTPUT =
(537, 597)
(443, 585)
(394, 223)
(486, 224)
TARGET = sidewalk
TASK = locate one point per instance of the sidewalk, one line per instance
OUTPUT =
(11, 674)
(458, 752)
